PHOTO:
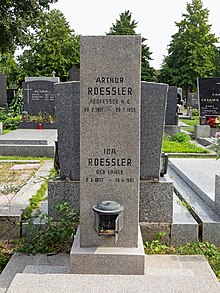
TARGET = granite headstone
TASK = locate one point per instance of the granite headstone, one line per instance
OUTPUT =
(153, 103)
(68, 116)
(74, 74)
(209, 96)
(110, 134)
(193, 101)
(39, 96)
(170, 117)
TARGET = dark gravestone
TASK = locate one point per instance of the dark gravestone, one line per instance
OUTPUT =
(3, 91)
(39, 97)
(209, 96)
(170, 117)
(193, 101)
(74, 74)
(67, 115)
(153, 102)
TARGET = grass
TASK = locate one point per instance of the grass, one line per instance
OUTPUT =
(181, 147)
(17, 158)
(5, 131)
(190, 123)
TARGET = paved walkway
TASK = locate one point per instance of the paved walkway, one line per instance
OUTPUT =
(163, 274)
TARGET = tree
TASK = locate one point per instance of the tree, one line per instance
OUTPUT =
(192, 50)
(53, 47)
(217, 62)
(126, 26)
(15, 18)
(9, 67)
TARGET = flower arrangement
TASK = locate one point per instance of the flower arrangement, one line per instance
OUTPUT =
(214, 122)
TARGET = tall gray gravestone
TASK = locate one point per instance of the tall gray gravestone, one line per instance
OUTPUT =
(38, 93)
(109, 237)
(3, 91)
(171, 118)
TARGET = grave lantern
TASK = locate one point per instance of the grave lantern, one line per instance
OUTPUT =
(108, 218)
(24, 116)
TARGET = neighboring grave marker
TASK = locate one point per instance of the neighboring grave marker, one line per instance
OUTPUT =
(110, 134)
(171, 117)
(209, 96)
(39, 95)
(193, 100)
(74, 74)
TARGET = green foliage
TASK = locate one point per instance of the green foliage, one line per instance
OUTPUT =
(9, 122)
(217, 62)
(16, 106)
(126, 26)
(180, 137)
(9, 67)
(195, 112)
(15, 18)
(192, 50)
(36, 199)
(53, 48)
(3, 115)
(12, 122)
(181, 147)
(49, 236)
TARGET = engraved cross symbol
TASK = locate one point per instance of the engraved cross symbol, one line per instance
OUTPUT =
(28, 93)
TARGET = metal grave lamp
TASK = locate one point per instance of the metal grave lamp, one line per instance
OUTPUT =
(163, 164)
(24, 116)
(108, 218)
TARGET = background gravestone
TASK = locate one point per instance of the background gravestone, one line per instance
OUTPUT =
(74, 74)
(193, 101)
(39, 95)
(170, 117)
(3, 91)
(209, 96)
(153, 103)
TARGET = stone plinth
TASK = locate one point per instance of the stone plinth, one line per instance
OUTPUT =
(107, 260)
(156, 201)
(201, 131)
(171, 129)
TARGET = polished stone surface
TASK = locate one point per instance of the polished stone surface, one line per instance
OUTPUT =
(110, 133)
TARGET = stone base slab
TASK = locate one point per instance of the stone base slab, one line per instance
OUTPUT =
(107, 260)
(156, 201)
(171, 129)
